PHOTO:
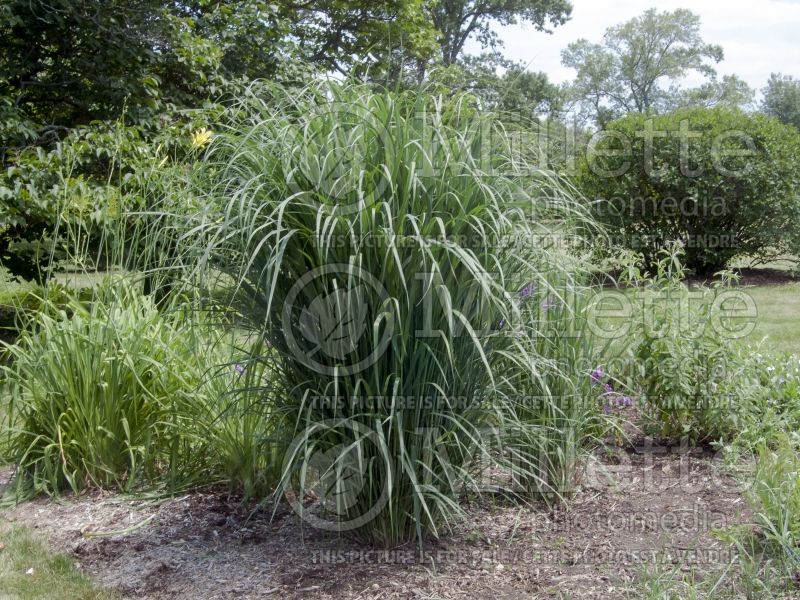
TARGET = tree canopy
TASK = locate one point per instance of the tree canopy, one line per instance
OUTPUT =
(64, 64)
(636, 66)
(102, 84)
(782, 99)
(458, 20)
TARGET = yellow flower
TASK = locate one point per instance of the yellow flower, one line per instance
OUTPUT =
(201, 137)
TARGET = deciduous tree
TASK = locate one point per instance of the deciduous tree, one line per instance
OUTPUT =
(636, 66)
(782, 98)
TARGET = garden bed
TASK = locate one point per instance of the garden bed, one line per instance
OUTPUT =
(634, 508)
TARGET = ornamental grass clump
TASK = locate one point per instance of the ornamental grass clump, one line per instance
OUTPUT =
(107, 394)
(377, 241)
(557, 409)
(123, 385)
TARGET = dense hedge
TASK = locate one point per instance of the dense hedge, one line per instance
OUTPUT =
(721, 181)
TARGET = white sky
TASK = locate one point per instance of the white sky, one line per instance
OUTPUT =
(758, 36)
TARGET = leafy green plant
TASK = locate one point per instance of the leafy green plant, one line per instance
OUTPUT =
(775, 495)
(365, 236)
(62, 205)
(691, 376)
(772, 386)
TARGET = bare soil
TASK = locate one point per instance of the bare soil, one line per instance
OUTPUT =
(634, 506)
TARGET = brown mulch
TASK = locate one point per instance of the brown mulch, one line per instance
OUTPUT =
(634, 506)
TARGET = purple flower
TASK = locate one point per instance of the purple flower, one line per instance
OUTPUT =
(239, 369)
(597, 375)
(627, 401)
(607, 387)
(606, 408)
(528, 291)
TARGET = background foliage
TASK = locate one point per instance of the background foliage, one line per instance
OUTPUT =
(718, 203)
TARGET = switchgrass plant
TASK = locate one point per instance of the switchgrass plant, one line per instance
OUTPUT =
(242, 430)
(377, 241)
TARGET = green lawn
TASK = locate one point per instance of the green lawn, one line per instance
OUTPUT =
(784, 263)
(12, 291)
(28, 571)
(778, 306)
(778, 316)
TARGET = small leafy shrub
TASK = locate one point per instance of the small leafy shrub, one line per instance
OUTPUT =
(691, 377)
(11, 287)
(732, 189)
(105, 395)
(772, 385)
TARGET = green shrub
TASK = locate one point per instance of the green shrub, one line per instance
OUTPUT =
(700, 383)
(696, 378)
(62, 204)
(367, 238)
(695, 188)
(771, 385)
